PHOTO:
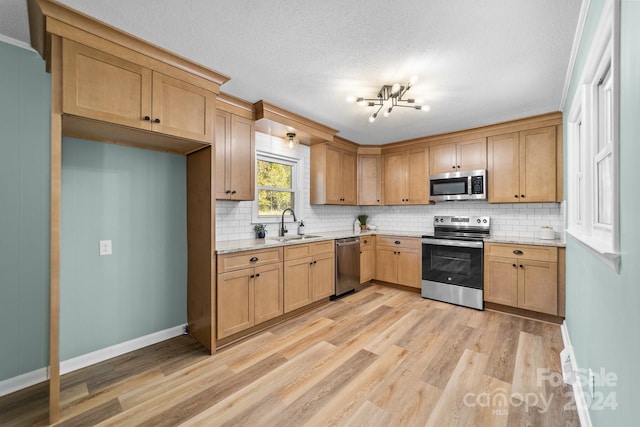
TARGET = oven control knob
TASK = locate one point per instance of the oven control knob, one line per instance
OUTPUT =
(437, 219)
(484, 220)
(478, 220)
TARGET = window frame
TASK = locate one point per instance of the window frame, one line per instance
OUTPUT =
(590, 119)
(296, 188)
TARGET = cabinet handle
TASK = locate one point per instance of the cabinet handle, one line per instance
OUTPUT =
(518, 252)
(252, 276)
(366, 241)
(458, 166)
(315, 262)
(311, 263)
(453, 166)
(147, 118)
(516, 196)
(378, 201)
(233, 192)
(156, 121)
(227, 192)
(397, 242)
(521, 266)
(522, 196)
(253, 259)
(514, 265)
(258, 275)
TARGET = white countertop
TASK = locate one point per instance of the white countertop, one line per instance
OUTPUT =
(270, 242)
(231, 246)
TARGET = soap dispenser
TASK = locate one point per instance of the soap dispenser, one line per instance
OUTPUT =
(301, 228)
(356, 226)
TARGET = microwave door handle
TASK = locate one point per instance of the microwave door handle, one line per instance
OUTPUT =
(469, 188)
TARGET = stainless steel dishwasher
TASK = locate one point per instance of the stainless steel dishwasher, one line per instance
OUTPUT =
(347, 265)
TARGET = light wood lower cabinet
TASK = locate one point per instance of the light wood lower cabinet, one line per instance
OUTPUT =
(522, 276)
(248, 296)
(399, 260)
(367, 258)
(309, 274)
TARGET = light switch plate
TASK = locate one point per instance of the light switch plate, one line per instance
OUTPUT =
(105, 247)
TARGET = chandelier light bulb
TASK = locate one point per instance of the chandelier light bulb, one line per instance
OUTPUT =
(351, 99)
(361, 102)
(413, 80)
(387, 112)
(373, 117)
(425, 108)
(395, 88)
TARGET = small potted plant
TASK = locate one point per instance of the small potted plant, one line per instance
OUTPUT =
(261, 230)
(363, 221)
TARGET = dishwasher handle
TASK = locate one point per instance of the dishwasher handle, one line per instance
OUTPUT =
(348, 242)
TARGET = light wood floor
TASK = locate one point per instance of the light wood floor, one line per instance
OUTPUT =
(380, 357)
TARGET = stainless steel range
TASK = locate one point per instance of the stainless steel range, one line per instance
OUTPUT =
(452, 260)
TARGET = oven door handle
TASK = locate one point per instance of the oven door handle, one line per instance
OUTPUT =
(458, 243)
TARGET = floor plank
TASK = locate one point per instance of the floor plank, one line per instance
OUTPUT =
(380, 356)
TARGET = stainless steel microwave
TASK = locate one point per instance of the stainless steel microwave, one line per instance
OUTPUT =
(463, 185)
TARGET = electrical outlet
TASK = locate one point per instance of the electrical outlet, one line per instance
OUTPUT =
(105, 247)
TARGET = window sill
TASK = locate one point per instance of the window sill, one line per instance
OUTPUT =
(610, 259)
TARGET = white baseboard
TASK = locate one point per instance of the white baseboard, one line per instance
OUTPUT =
(28, 379)
(578, 393)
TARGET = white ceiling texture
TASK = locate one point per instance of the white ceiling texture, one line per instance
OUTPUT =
(477, 62)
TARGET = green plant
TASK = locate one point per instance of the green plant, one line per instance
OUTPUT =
(260, 228)
(363, 219)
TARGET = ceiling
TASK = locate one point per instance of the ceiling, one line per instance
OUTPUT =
(477, 62)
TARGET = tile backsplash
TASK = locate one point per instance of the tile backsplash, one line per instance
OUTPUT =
(233, 219)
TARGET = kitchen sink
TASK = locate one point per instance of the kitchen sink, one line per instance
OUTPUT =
(293, 237)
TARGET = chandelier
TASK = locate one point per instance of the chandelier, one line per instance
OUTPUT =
(389, 97)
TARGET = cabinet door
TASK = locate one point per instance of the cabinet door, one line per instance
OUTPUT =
(442, 158)
(349, 178)
(417, 178)
(297, 283)
(223, 137)
(538, 286)
(182, 109)
(386, 264)
(368, 179)
(103, 87)
(269, 299)
(501, 281)
(367, 264)
(538, 165)
(395, 178)
(323, 273)
(235, 302)
(503, 168)
(472, 154)
(241, 164)
(334, 176)
(409, 268)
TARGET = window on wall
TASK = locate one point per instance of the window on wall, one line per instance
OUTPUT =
(276, 187)
(592, 136)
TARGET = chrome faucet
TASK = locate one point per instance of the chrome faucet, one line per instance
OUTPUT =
(283, 229)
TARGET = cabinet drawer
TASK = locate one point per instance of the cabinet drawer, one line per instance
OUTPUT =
(405, 242)
(300, 251)
(367, 241)
(236, 261)
(536, 253)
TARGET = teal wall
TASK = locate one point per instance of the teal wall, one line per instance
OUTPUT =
(136, 198)
(603, 314)
(25, 102)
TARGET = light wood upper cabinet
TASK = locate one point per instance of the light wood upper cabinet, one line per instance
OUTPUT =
(333, 175)
(406, 178)
(369, 179)
(522, 166)
(458, 156)
(101, 86)
(235, 157)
